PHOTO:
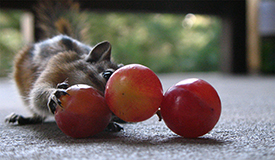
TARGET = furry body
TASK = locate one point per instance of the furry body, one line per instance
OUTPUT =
(40, 67)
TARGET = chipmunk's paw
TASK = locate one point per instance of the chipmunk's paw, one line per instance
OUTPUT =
(15, 118)
(54, 99)
(12, 118)
(63, 85)
(113, 127)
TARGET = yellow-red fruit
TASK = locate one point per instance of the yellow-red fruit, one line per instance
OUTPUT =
(83, 112)
(191, 108)
(134, 93)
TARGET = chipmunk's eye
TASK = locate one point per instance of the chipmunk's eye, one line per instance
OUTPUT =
(107, 74)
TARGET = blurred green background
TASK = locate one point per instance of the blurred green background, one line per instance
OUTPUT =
(10, 39)
(163, 42)
(268, 55)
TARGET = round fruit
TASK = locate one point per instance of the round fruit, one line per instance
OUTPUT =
(83, 112)
(191, 108)
(134, 93)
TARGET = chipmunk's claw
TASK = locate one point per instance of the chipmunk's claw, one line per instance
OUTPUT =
(15, 118)
(113, 127)
(63, 85)
(54, 99)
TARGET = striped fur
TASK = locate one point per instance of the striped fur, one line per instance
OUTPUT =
(40, 67)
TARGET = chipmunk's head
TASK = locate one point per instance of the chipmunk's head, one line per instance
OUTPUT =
(93, 68)
(100, 58)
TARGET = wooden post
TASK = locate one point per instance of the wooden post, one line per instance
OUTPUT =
(253, 49)
(233, 38)
(27, 27)
(226, 50)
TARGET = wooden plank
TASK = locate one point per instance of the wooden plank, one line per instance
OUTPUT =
(27, 27)
(253, 48)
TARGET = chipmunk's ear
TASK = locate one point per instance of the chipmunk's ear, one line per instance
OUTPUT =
(100, 52)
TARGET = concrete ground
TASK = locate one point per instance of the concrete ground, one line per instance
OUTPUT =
(246, 129)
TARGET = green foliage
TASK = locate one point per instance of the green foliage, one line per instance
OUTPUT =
(10, 39)
(163, 42)
(268, 55)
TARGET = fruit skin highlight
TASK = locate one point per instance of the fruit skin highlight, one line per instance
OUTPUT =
(83, 112)
(191, 108)
(134, 93)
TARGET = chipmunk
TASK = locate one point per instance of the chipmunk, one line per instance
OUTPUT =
(42, 71)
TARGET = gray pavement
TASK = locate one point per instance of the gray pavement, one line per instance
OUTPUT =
(246, 129)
